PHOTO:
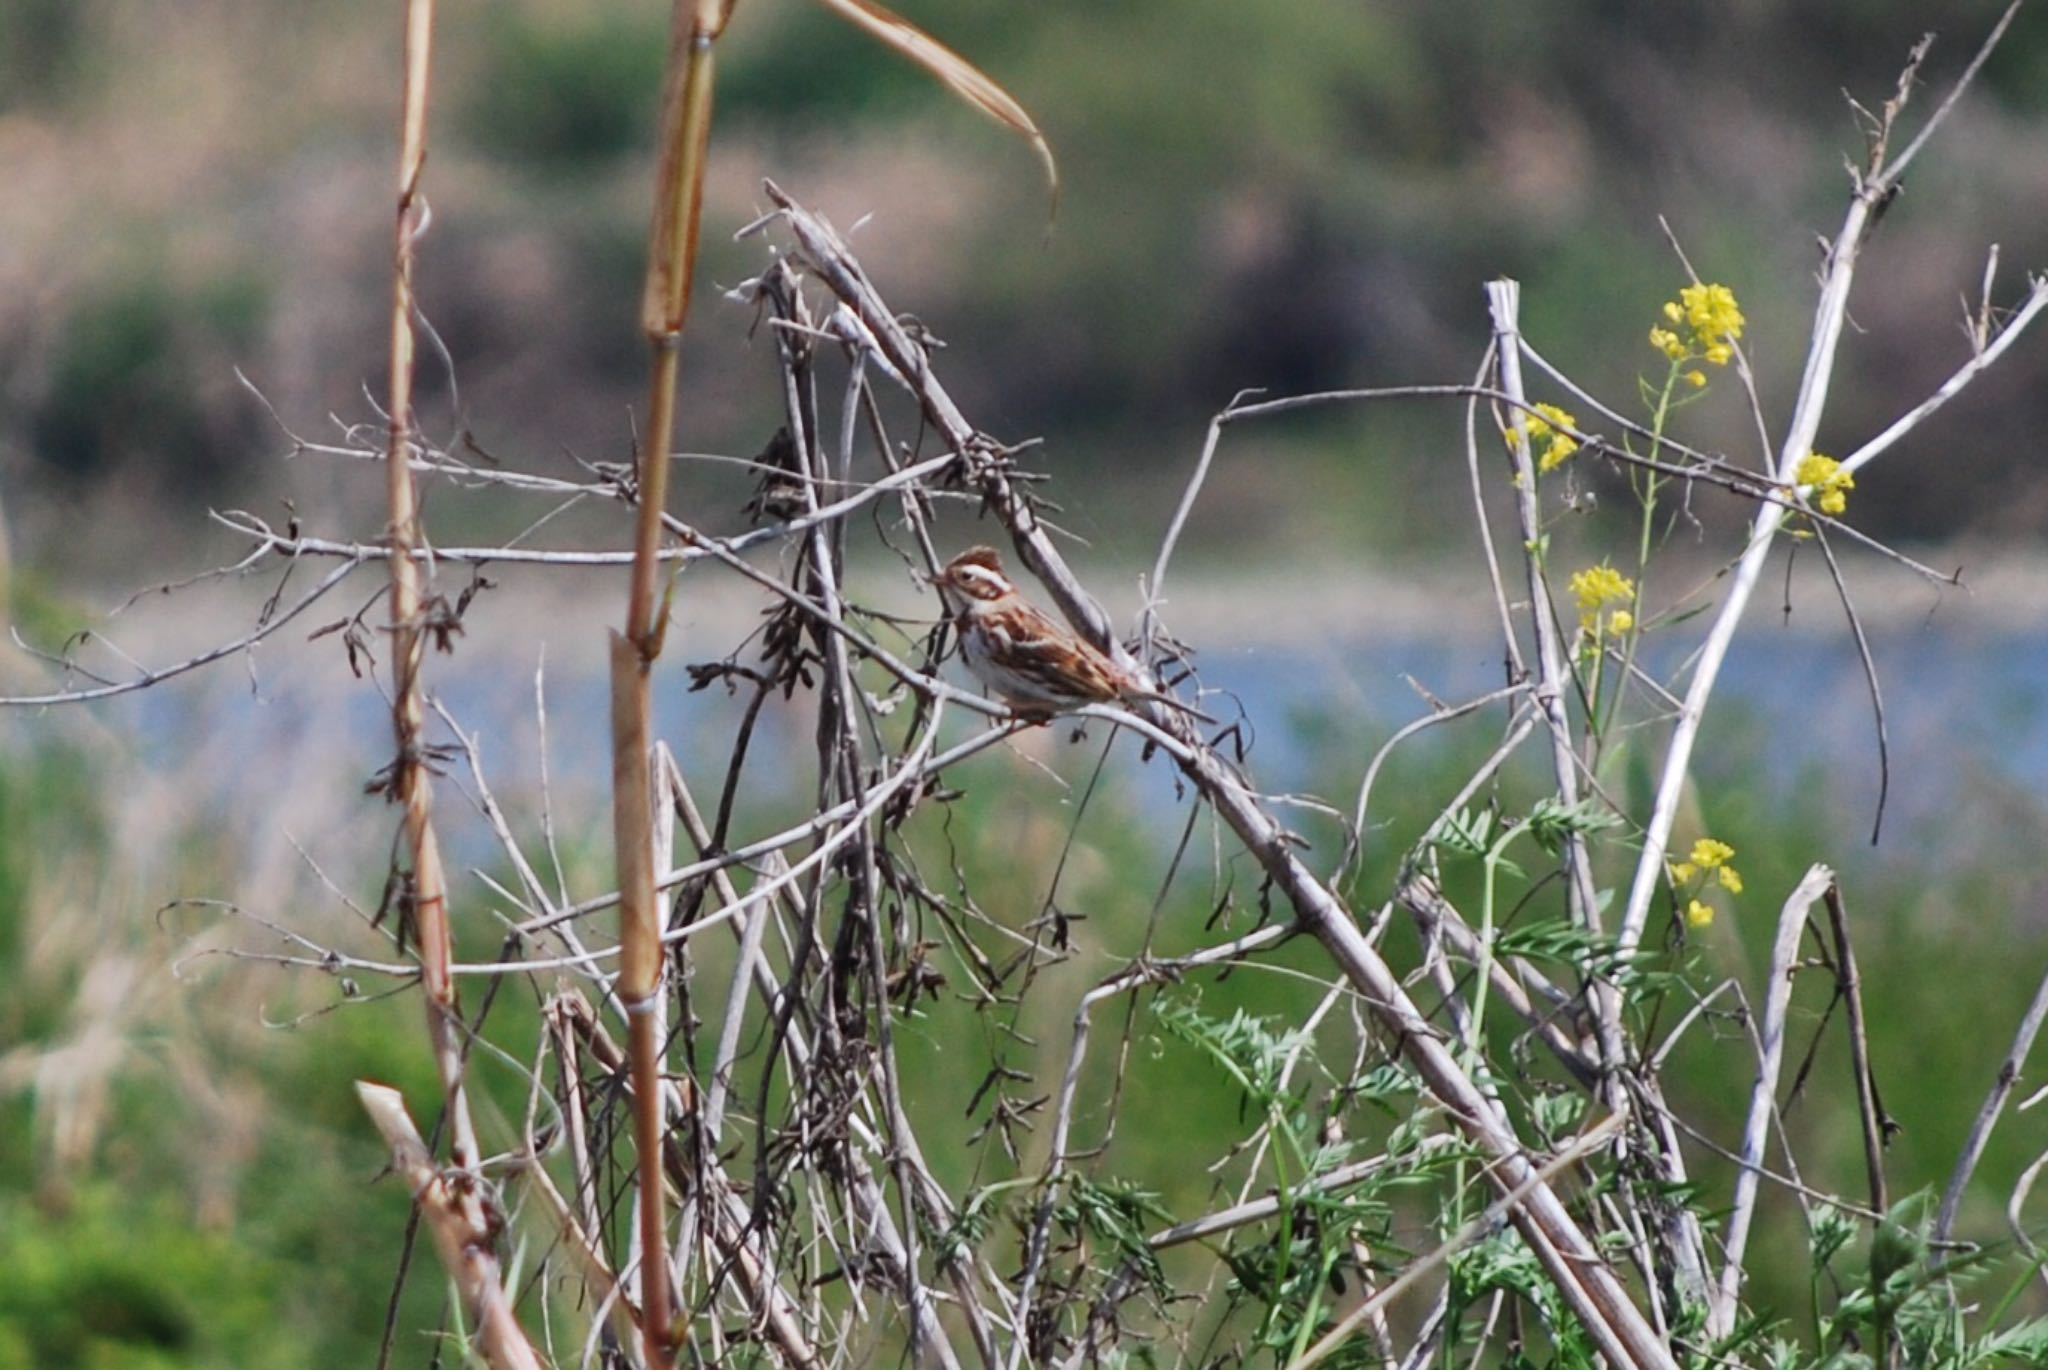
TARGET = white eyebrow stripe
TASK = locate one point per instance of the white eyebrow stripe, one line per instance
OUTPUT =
(982, 574)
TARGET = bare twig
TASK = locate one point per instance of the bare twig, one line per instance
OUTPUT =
(1585, 1281)
(1874, 188)
(452, 1202)
(1763, 1095)
(2007, 1080)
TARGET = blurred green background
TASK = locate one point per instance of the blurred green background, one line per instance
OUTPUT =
(1283, 197)
(1256, 196)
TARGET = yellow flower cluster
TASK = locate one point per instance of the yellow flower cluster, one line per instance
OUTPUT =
(1709, 865)
(1831, 484)
(1542, 427)
(1712, 321)
(1595, 588)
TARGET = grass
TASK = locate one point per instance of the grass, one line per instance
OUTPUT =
(229, 1185)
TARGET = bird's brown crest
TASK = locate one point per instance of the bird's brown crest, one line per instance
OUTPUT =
(985, 557)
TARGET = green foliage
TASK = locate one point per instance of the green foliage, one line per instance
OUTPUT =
(87, 1287)
(212, 1295)
(46, 797)
(1250, 1053)
(142, 377)
(1503, 1262)
(1117, 1216)
(1289, 1278)
(564, 91)
(44, 46)
(174, 1245)
(1552, 823)
(1901, 1296)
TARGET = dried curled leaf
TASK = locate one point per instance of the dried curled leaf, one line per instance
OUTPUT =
(965, 79)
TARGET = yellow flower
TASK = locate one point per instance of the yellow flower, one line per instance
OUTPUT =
(1543, 424)
(1713, 321)
(1557, 453)
(1711, 312)
(1829, 482)
(1696, 379)
(1707, 853)
(1710, 858)
(1620, 621)
(1698, 915)
(1595, 588)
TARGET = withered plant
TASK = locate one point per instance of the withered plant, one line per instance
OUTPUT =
(1462, 1152)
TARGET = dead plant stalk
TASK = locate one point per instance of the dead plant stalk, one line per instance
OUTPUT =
(665, 306)
(455, 1201)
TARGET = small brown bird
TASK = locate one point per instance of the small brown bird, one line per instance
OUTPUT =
(1026, 659)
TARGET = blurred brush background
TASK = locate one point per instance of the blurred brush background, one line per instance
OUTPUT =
(1287, 197)
(1290, 199)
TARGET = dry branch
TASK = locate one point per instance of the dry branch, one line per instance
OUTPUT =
(784, 1203)
(1874, 185)
(422, 892)
(1583, 1278)
(453, 1204)
(1763, 1099)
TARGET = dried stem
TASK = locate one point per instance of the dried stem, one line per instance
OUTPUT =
(1763, 1097)
(423, 897)
(1877, 1125)
(1585, 1281)
(665, 304)
(465, 1235)
(1993, 1107)
(1874, 187)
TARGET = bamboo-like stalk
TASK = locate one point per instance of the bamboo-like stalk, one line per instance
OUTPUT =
(411, 784)
(664, 307)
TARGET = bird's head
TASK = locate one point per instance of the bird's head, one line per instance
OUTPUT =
(974, 577)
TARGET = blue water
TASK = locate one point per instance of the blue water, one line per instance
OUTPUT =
(1959, 703)
(1966, 708)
